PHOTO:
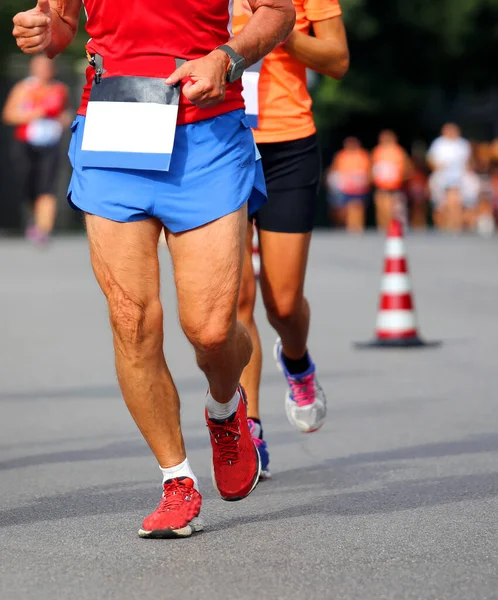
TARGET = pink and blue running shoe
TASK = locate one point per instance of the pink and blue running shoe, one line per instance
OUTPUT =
(262, 447)
(305, 401)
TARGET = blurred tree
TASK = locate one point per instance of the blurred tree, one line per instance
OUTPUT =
(408, 58)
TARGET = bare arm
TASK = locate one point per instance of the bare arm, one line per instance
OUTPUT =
(14, 113)
(408, 167)
(327, 53)
(271, 22)
(50, 26)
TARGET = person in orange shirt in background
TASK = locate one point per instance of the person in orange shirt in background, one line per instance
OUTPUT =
(390, 169)
(348, 183)
(286, 138)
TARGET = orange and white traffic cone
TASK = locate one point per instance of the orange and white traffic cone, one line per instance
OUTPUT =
(396, 320)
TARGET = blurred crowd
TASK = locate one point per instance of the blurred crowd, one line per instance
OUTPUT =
(453, 185)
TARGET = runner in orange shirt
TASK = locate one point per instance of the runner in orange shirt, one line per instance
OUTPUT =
(286, 138)
(348, 183)
(390, 169)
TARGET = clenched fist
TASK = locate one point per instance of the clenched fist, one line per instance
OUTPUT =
(32, 29)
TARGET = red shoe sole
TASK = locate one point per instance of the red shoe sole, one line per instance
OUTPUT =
(168, 534)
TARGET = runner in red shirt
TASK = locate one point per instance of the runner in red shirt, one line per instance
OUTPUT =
(37, 108)
(161, 141)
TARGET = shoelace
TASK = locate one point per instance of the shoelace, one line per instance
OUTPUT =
(227, 437)
(174, 495)
(303, 390)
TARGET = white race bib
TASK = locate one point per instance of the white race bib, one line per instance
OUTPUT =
(250, 81)
(44, 132)
(130, 124)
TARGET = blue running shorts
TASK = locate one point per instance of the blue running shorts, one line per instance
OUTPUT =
(215, 169)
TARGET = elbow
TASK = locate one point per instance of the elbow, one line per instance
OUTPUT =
(340, 67)
(7, 118)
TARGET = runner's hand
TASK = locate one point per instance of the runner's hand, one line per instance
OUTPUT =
(206, 79)
(32, 29)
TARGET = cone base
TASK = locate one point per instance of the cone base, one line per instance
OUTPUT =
(413, 342)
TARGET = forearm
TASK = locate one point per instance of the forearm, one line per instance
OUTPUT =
(14, 118)
(268, 27)
(64, 25)
(326, 56)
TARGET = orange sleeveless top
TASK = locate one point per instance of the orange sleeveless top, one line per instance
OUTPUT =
(388, 167)
(352, 171)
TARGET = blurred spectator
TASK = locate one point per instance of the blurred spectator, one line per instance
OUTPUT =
(457, 209)
(37, 108)
(484, 219)
(390, 169)
(493, 171)
(448, 157)
(417, 189)
(348, 184)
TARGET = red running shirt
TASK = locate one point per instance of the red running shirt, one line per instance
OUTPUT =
(52, 98)
(143, 37)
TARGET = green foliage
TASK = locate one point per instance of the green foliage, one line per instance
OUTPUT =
(403, 55)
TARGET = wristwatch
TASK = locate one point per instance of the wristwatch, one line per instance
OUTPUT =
(237, 64)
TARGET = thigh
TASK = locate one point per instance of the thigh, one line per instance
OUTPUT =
(207, 265)
(124, 258)
(284, 257)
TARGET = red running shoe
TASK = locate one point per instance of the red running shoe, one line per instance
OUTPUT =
(176, 514)
(236, 463)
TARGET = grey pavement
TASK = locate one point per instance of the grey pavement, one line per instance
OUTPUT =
(396, 498)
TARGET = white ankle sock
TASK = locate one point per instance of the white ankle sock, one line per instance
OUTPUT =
(181, 470)
(219, 411)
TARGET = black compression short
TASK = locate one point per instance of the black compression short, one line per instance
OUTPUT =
(292, 173)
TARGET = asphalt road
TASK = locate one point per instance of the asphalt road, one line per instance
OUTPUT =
(395, 498)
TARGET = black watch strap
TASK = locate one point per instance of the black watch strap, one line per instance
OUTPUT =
(230, 51)
(237, 63)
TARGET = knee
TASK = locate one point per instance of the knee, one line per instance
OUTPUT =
(208, 334)
(283, 307)
(134, 322)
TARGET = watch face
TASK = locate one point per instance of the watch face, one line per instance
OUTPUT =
(237, 70)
